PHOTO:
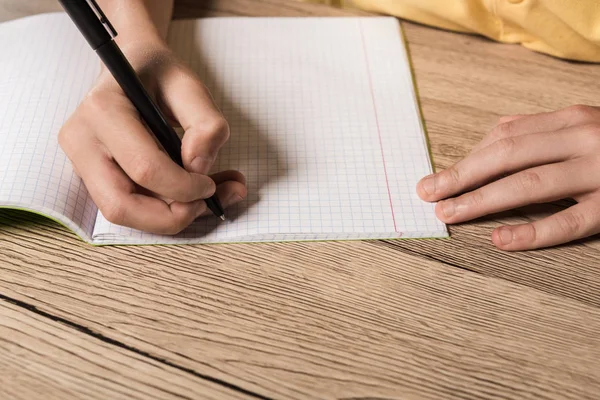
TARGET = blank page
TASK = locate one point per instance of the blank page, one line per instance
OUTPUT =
(325, 126)
(46, 67)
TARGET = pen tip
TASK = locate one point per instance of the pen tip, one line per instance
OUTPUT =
(222, 217)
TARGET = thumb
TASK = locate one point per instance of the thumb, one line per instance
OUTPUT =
(205, 128)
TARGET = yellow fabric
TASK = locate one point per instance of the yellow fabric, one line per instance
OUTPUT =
(563, 28)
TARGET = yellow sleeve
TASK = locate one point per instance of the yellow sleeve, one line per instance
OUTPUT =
(562, 28)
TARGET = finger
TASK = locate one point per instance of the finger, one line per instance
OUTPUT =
(536, 185)
(499, 158)
(576, 222)
(231, 175)
(136, 152)
(138, 211)
(72, 140)
(536, 123)
(206, 130)
(114, 193)
(231, 188)
(229, 193)
(219, 178)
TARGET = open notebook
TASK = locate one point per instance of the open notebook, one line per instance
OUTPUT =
(323, 113)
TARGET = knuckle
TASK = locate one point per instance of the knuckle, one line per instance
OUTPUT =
(142, 170)
(506, 146)
(170, 230)
(113, 211)
(528, 181)
(591, 135)
(66, 137)
(582, 112)
(502, 120)
(505, 119)
(476, 199)
(503, 130)
(571, 223)
(218, 129)
(175, 226)
(526, 234)
(215, 131)
(97, 103)
(452, 176)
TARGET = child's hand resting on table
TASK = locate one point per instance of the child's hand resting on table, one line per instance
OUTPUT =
(523, 160)
(131, 180)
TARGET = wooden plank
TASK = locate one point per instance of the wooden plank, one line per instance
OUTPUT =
(316, 320)
(366, 319)
(44, 359)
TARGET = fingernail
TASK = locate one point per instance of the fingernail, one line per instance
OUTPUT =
(236, 198)
(233, 199)
(448, 208)
(210, 190)
(505, 235)
(201, 165)
(428, 185)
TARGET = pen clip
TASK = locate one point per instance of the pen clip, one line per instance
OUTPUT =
(103, 20)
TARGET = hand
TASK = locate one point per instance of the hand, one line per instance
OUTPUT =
(131, 180)
(527, 159)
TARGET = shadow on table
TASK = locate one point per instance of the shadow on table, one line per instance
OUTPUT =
(23, 219)
(12, 220)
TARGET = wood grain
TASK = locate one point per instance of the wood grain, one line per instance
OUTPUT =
(45, 359)
(320, 320)
(396, 319)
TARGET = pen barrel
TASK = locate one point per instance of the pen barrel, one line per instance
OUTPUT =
(88, 23)
(126, 77)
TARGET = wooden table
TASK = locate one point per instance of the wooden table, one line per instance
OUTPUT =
(426, 319)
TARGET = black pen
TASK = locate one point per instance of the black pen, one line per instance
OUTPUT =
(100, 34)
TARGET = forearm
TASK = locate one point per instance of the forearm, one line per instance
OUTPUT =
(138, 21)
(142, 27)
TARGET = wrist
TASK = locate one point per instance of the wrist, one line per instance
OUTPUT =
(140, 50)
(134, 19)
(147, 57)
(131, 41)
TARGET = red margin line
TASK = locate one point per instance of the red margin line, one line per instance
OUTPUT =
(387, 182)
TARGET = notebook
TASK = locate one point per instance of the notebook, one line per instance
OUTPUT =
(323, 113)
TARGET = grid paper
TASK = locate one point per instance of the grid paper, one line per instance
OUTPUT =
(325, 126)
(46, 68)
